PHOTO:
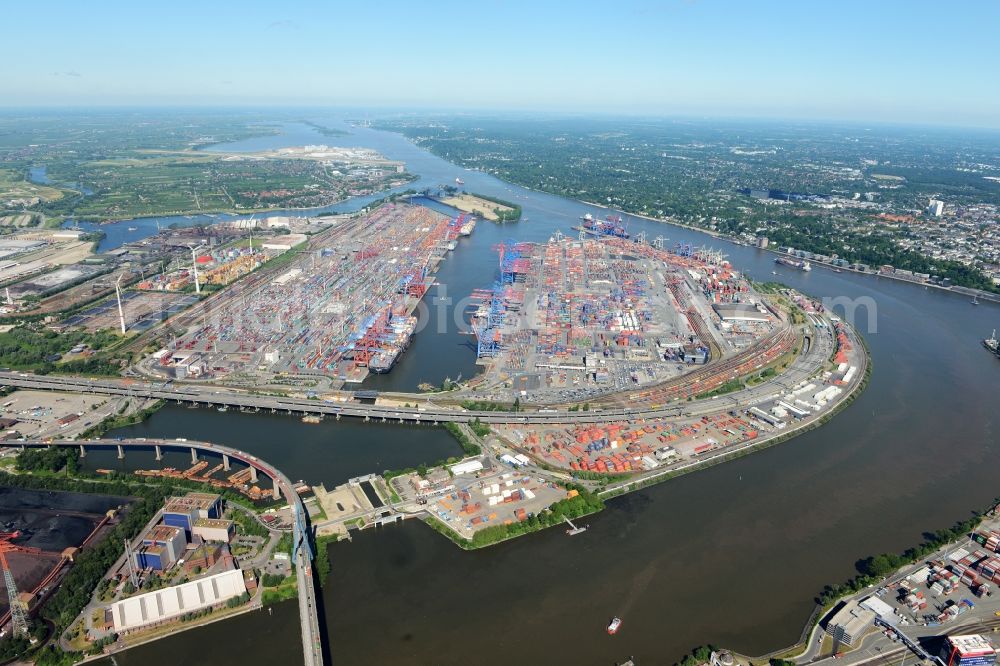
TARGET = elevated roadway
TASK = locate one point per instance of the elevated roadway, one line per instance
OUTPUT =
(816, 351)
(312, 645)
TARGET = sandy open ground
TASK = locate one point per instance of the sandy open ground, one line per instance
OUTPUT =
(472, 204)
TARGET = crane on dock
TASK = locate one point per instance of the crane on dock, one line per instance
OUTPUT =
(18, 613)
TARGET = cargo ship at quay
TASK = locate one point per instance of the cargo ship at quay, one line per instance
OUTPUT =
(383, 360)
(609, 226)
(800, 264)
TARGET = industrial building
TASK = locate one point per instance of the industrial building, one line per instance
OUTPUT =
(466, 467)
(214, 529)
(171, 602)
(850, 623)
(968, 650)
(161, 547)
(185, 511)
(740, 312)
(284, 243)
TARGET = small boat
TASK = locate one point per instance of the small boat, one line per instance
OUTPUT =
(992, 344)
(774, 272)
(837, 270)
(459, 181)
(614, 626)
(223, 409)
(974, 301)
(133, 228)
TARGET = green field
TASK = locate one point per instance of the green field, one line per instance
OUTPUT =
(13, 185)
(106, 166)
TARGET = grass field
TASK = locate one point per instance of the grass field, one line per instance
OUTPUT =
(14, 186)
(17, 220)
(180, 183)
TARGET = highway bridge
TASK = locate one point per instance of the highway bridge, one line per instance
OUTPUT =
(302, 552)
(818, 347)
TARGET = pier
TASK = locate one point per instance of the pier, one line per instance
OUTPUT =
(573, 529)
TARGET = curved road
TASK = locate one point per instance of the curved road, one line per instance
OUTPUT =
(312, 646)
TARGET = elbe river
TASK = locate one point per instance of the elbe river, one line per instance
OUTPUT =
(732, 556)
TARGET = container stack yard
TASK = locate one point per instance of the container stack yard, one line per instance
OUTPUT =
(343, 308)
(630, 446)
(584, 318)
(620, 447)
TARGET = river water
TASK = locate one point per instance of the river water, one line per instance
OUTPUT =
(733, 555)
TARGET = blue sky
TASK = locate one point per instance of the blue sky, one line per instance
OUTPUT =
(881, 60)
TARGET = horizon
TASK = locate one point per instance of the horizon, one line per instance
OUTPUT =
(904, 63)
(522, 115)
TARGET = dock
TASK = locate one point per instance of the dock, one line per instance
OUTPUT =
(573, 529)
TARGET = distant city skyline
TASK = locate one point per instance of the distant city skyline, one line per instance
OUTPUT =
(908, 62)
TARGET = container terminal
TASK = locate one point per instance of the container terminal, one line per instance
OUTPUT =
(342, 309)
(574, 319)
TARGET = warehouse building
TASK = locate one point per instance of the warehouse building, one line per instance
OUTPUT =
(284, 243)
(740, 312)
(467, 467)
(214, 529)
(171, 602)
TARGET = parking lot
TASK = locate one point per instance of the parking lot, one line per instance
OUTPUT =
(46, 414)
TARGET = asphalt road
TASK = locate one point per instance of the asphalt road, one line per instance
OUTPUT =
(805, 365)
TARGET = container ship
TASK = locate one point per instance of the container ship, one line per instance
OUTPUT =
(800, 264)
(467, 228)
(383, 360)
(610, 226)
(992, 343)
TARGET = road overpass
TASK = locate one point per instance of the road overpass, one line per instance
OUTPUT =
(302, 553)
(805, 364)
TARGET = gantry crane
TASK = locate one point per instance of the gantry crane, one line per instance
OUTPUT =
(18, 613)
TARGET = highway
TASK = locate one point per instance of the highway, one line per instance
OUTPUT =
(816, 353)
(312, 645)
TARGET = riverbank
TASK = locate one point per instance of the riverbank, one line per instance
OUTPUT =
(122, 419)
(755, 445)
(875, 570)
(964, 291)
(501, 533)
